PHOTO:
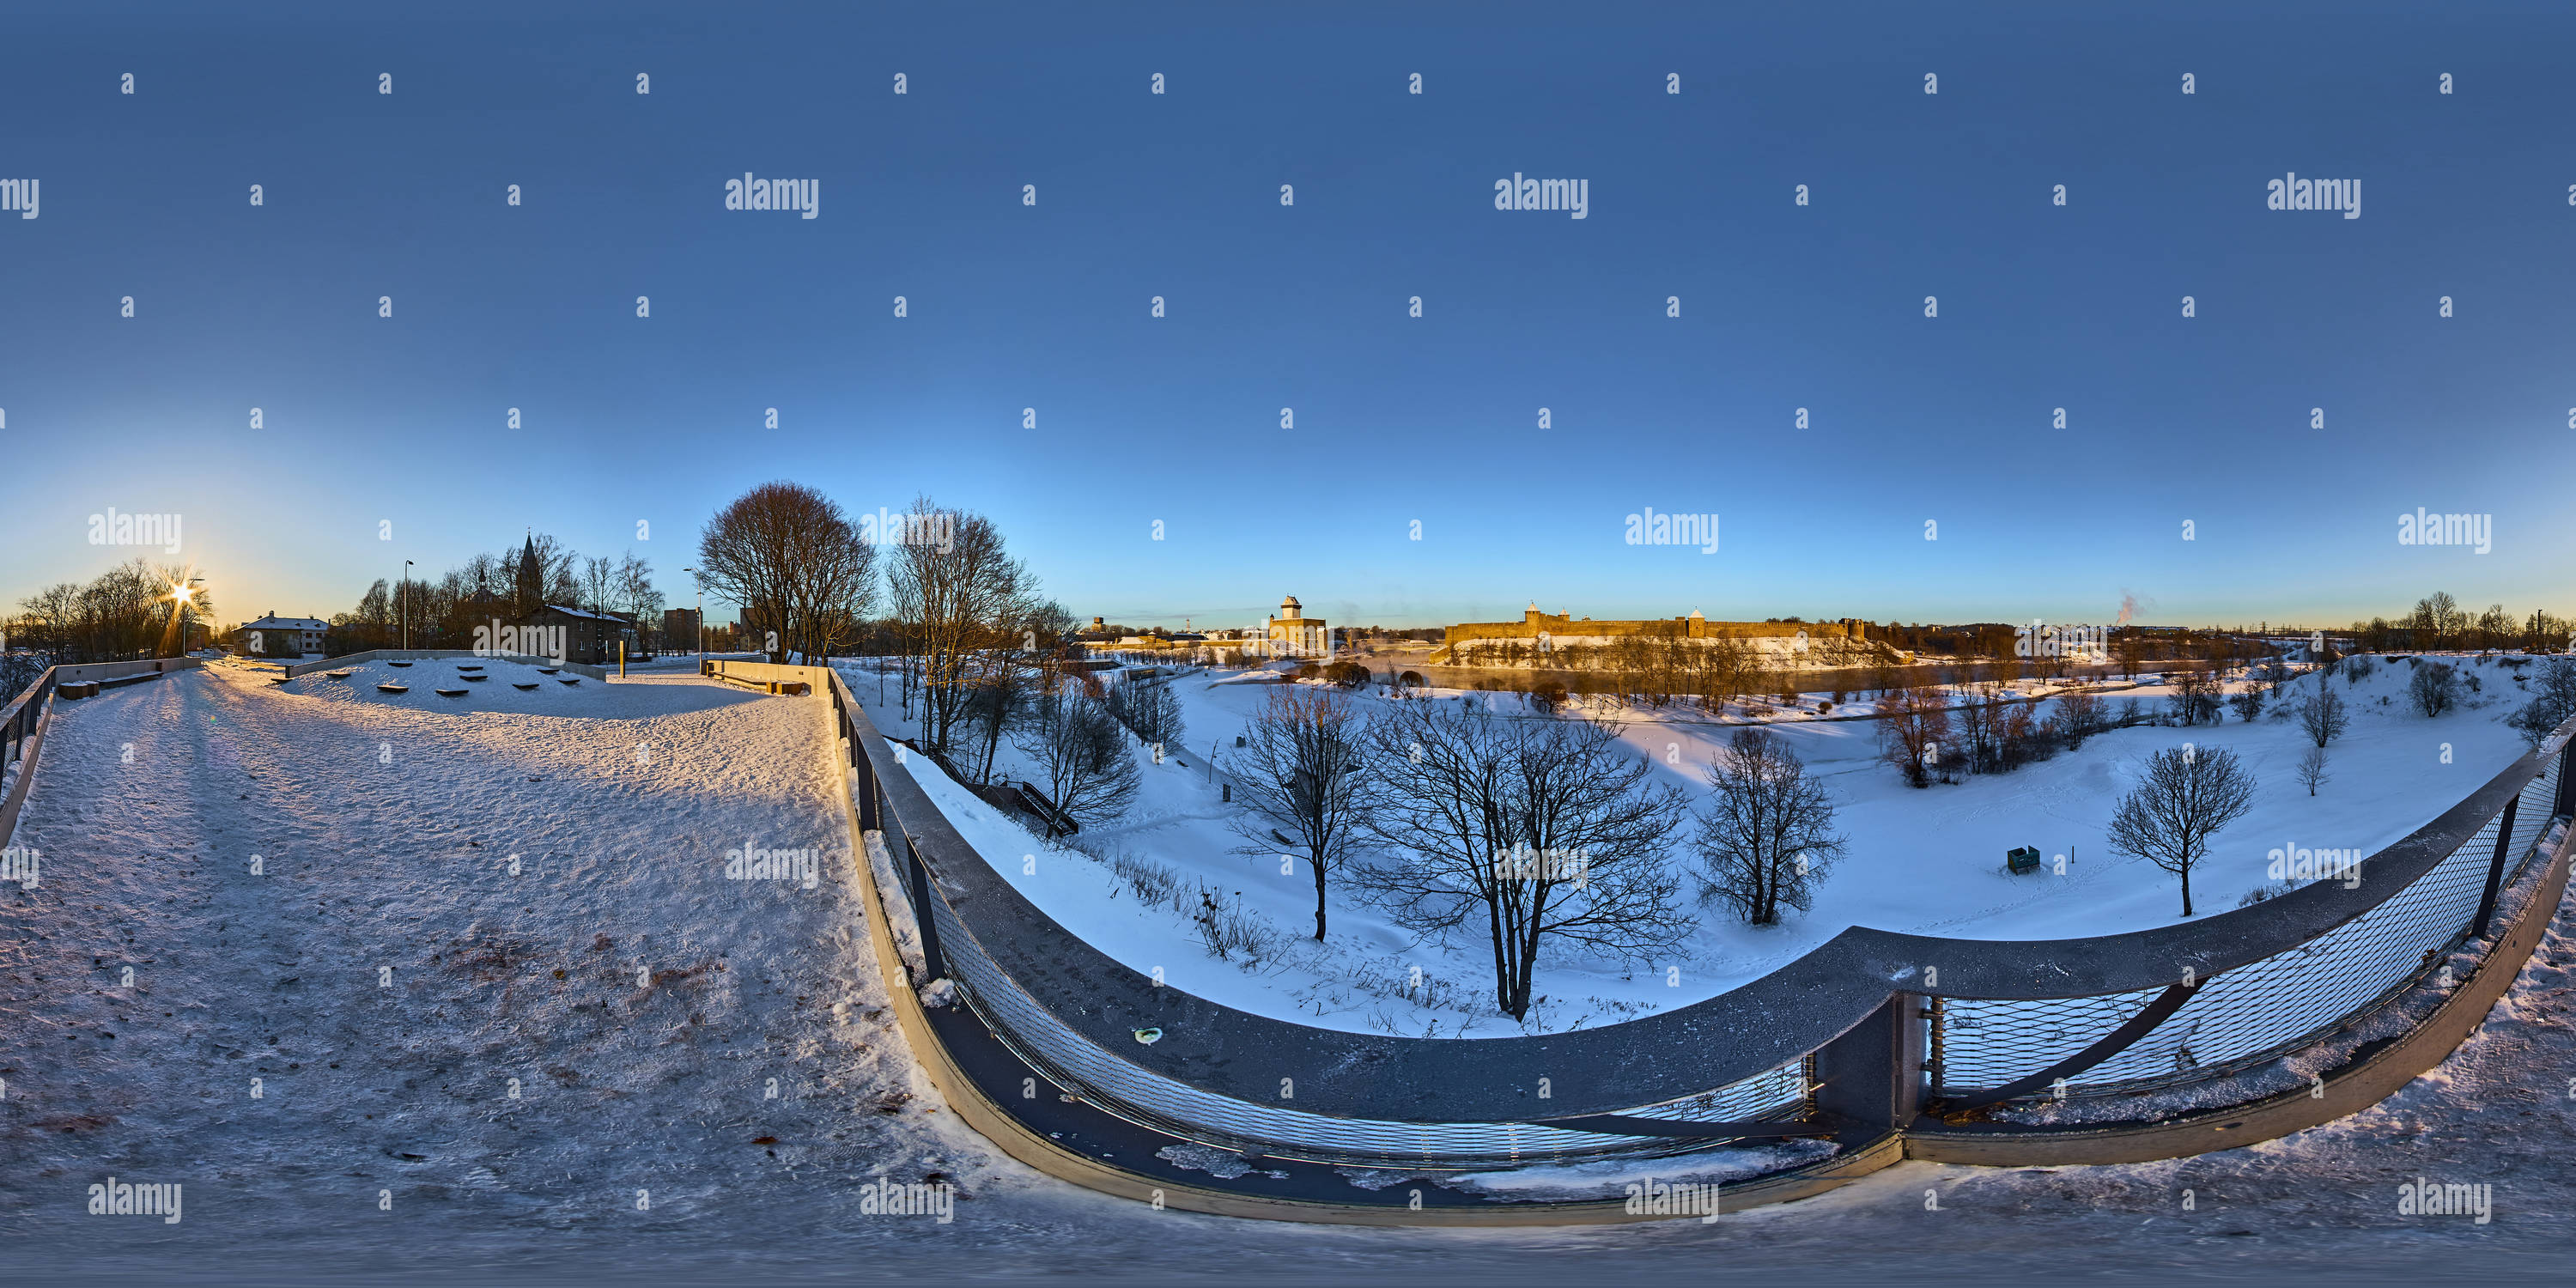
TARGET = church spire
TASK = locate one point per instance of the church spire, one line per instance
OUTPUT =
(531, 580)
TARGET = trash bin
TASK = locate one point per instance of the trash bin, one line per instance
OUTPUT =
(2025, 859)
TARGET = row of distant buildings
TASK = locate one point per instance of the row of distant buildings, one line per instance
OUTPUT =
(590, 638)
(1290, 633)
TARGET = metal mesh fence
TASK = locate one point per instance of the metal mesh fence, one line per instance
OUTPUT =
(2257, 1011)
(2246, 1015)
(1083, 1069)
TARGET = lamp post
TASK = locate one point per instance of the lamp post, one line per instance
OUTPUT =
(406, 605)
(699, 628)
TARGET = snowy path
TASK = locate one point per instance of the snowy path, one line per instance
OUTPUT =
(661, 1087)
(385, 836)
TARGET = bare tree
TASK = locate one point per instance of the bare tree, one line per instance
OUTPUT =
(1979, 724)
(1766, 833)
(2248, 703)
(598, 582)
(2188, 795)
(2312, 769)
(2195, 697)
(1301, 769)
(2079, 716)
(958, 596)
(1542, 830)
(635, 595)
(1916, 722)
(1090, 772)
(1150, 709)
(786, 555)
(2552, 704)
(2324, 716)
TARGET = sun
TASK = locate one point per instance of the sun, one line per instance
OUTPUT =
(181, 594)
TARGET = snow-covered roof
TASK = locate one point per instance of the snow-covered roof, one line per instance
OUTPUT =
(273, 622)
(586, 613)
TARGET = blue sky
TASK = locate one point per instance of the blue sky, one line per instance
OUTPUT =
(1397, 419)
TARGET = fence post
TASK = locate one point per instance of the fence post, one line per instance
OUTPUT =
(871, 809)
(921, 918)
(2495, 869)
(1873, 1075)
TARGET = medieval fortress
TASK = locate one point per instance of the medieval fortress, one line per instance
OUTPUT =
(1559, 639)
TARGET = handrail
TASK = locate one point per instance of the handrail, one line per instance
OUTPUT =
(23, 717)
(1755, 1027)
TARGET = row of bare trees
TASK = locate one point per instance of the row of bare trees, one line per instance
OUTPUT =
(1527, 832)
(442, 612)
(126, 612)
(2440, 622)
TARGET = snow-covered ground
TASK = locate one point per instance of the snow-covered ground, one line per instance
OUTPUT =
(274, 977)
(1924, 861)
(390, 980)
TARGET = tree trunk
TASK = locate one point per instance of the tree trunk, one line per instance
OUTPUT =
(1319, 900)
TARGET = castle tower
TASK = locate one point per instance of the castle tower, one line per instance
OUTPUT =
(1292, 630)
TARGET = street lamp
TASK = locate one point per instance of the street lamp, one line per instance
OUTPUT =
(406, 605)
(700, 627)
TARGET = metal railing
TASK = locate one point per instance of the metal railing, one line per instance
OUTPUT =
(24, 716)
(2265, 1008)
(1795, 1049)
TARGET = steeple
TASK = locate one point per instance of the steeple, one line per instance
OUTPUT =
(531, 587)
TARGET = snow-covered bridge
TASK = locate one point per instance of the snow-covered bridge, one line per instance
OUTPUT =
(299, 945)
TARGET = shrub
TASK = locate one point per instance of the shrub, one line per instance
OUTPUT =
(2434, 689)
(1155, 885)
(1227, 930)
(2260, 893)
